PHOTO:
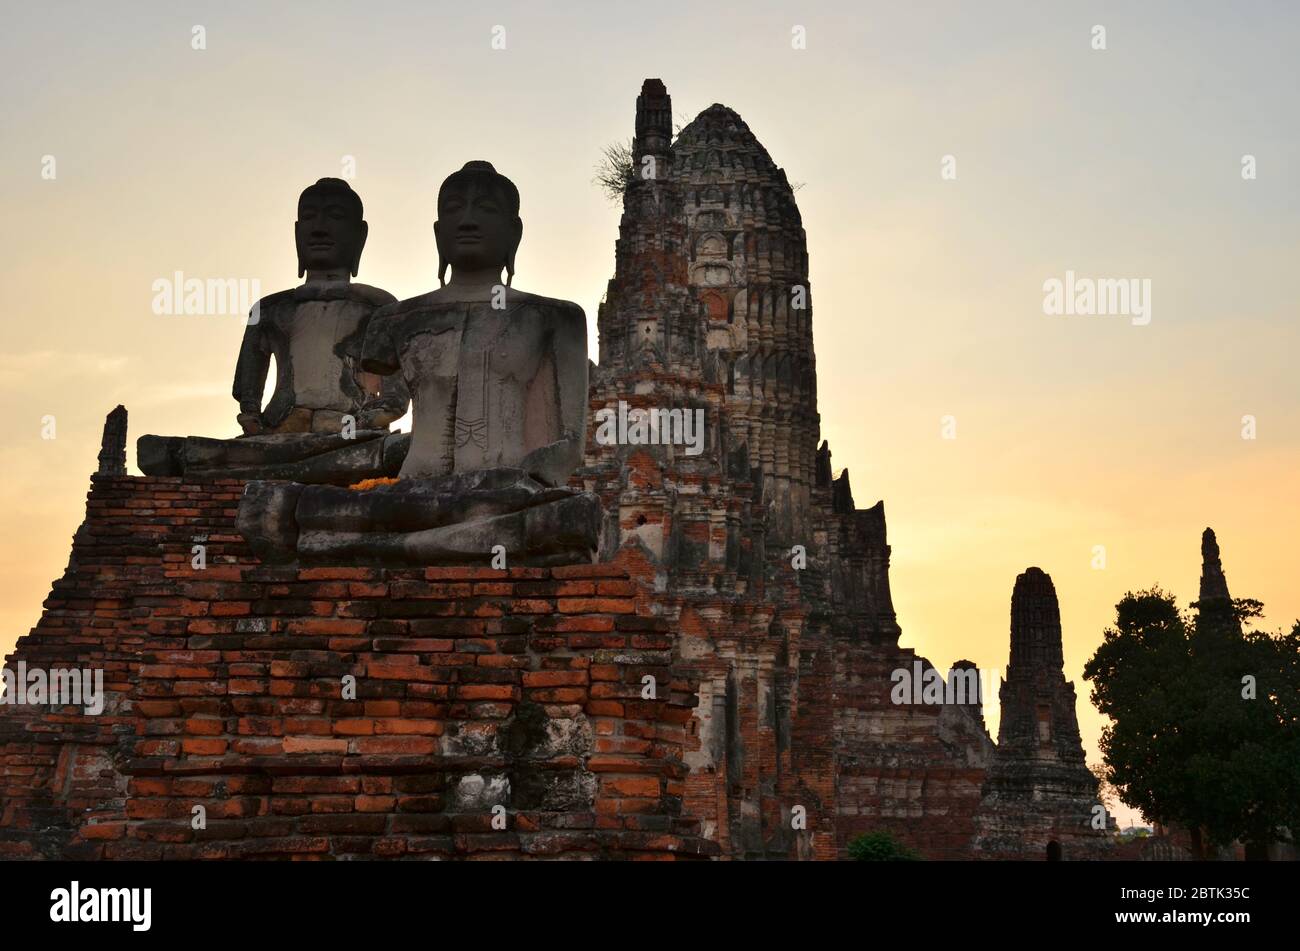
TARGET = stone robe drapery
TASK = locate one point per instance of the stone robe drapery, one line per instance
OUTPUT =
(489, 387)
(315, 332)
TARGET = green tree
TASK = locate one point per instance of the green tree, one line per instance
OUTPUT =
(1106, 791)
(1205, 713)
(880, 847)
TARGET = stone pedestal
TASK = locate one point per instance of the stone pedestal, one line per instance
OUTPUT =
(339, 712)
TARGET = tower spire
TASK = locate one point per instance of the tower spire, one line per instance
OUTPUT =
(1214, 586)
(112, 446)
(1035, 625)
(654, 126)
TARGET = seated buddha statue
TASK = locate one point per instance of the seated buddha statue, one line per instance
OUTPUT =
(327, 420)
(498, 383)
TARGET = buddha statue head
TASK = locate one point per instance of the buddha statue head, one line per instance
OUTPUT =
(478, 228)
(330, 231)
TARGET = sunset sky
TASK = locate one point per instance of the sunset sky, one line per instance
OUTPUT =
(927, 294)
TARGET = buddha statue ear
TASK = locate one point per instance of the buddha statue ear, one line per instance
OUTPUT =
(355, 264)
(442, 261)
(297, 243)
(514, 247)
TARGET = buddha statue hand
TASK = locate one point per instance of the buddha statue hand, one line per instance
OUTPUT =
(374, 416)
(552, 463)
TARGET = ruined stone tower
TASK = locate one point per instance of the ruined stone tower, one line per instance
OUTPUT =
(710, 309)
(1214, 606)
(1039, 795)
(112, 449)
(699, 315)
(777, 585)
(1214, 585)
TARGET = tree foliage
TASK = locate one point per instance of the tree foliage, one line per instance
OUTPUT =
(1106, 790)
(1190, 744)
(880, 847)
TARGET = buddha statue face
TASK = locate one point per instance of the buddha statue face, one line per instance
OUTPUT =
(478, 227)
(330, 232)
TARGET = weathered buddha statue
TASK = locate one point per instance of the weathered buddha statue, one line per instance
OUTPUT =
(327, 420)
(498, 381)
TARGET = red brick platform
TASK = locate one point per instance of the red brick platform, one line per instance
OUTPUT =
(228, 688)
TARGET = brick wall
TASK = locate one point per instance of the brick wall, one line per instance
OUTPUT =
(473, 688)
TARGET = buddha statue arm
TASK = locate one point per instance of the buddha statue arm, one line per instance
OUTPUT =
(552, 464)
(382, 410)
(250, 376)
(379, 350)
(387, 397)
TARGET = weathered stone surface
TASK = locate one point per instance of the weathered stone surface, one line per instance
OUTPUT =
(311, 458)
(461, 518)
(491, 386)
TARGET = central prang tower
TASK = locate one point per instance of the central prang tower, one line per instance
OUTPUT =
(710, 307)
(777, 586)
